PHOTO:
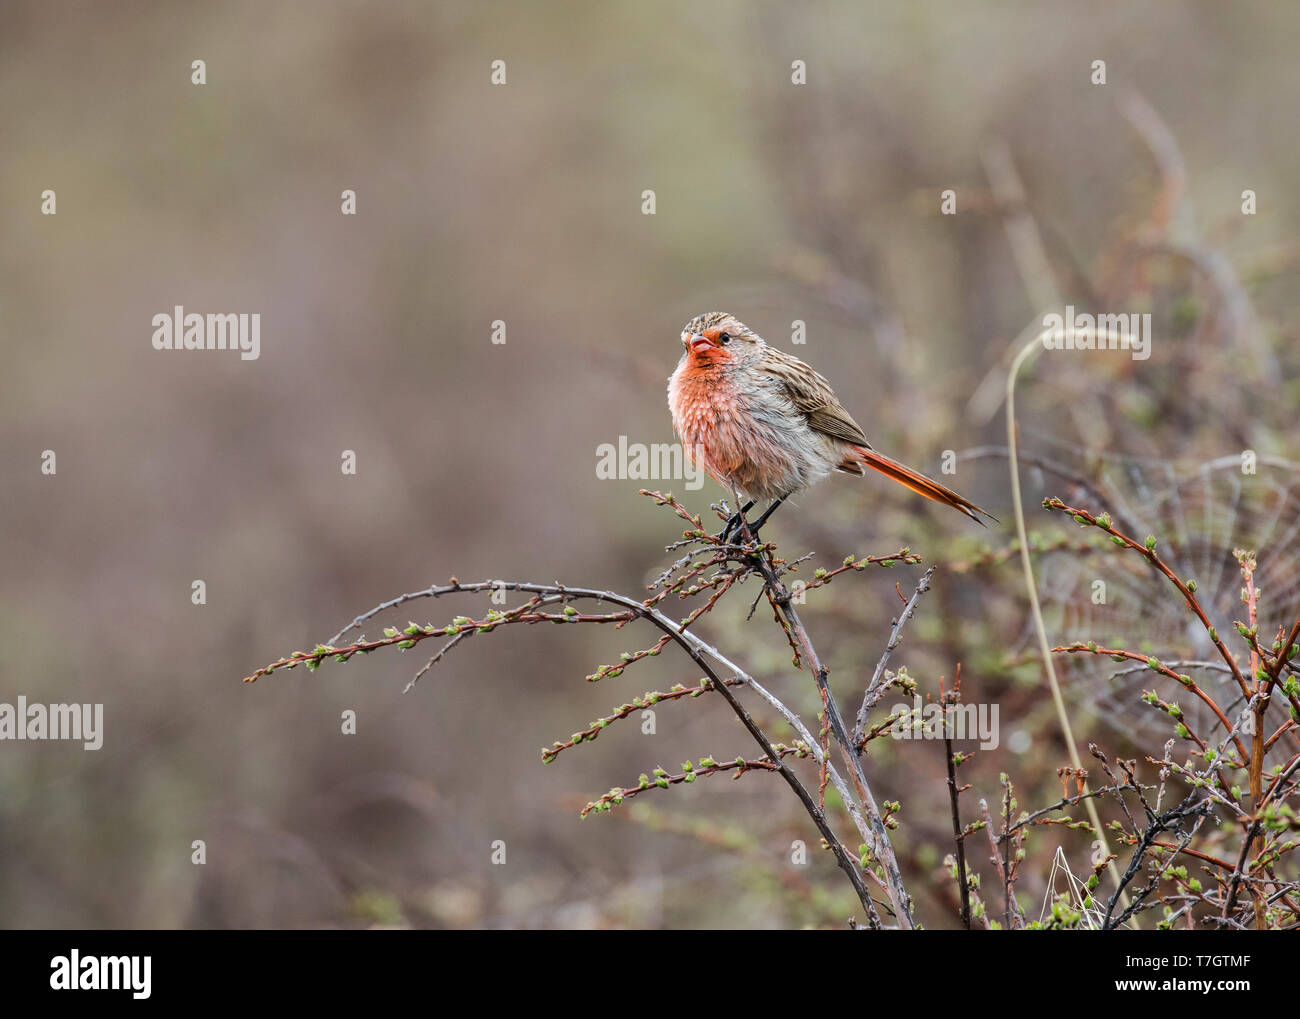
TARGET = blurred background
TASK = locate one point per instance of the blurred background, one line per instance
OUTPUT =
(522, 203)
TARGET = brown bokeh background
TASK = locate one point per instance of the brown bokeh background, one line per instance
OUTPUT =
(523, 203)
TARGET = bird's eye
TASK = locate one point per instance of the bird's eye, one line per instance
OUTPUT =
(724, 338)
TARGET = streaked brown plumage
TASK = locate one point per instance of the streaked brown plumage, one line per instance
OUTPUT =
(761, 420)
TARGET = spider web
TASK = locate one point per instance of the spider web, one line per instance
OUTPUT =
(1199, 513)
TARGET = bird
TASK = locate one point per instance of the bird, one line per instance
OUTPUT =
(765, 425)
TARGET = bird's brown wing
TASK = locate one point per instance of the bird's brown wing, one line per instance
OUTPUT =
(812, 396)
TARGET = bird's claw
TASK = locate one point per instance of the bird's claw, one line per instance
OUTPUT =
(733, 528)
(733, 522)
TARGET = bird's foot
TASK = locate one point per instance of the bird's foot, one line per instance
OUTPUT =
(733, 523)
(733, 529)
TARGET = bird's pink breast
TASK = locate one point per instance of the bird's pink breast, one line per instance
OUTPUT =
(738, 435)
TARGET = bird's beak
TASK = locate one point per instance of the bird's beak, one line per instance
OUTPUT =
(695, 342)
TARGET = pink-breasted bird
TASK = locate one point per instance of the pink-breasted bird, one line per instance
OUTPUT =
(761, 421)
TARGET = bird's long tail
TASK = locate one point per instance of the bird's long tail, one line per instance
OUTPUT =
(919, 483)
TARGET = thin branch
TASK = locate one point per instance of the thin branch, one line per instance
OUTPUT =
(879, 843)
(1031, 349)
(895, 638)
(695, 648)
(953, 793)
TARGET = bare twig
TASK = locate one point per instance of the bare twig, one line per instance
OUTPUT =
(879, 843)
(698, 651)
(895, 638)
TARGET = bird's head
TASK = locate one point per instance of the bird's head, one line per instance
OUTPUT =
(720, 338)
